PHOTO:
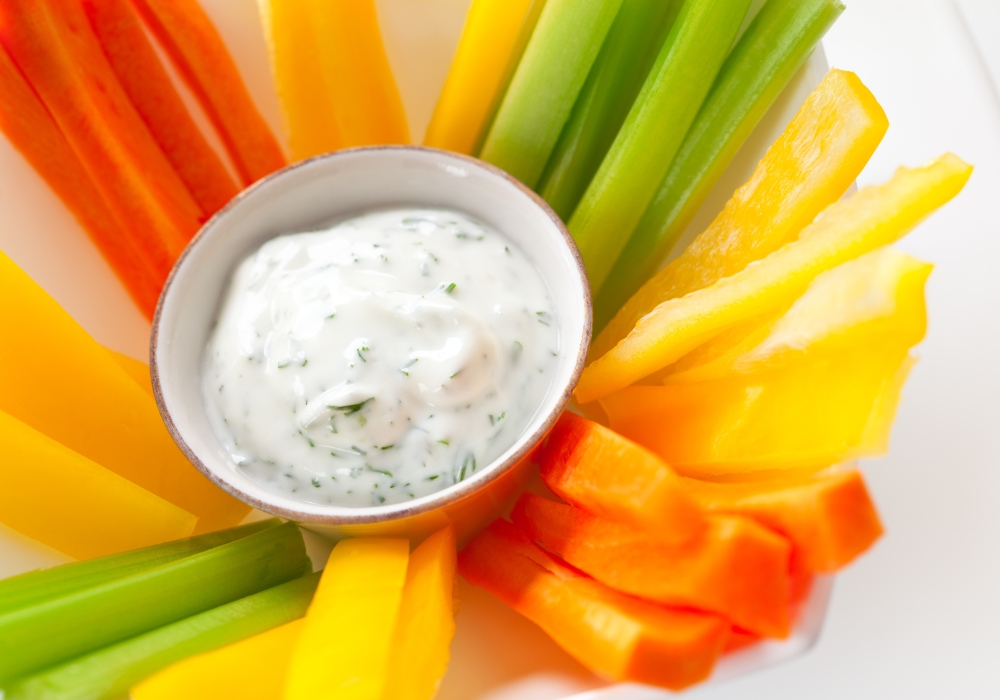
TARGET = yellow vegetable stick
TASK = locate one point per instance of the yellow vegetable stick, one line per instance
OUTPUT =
(139, 371)
(873, 217)
(815, 160)
(343, 651)
(494, 37)
(253, 669)
(306, 105)
(61, 382)
(426, 623)
(355, 68)
(55, 496)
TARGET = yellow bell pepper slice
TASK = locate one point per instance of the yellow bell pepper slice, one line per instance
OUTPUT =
(253, 669)
(139, 371)
(306, 107)
(346, 642)
(351, 57)
(51, 494)
(426, 621)
(809, 167)
(493, 39)
(871, 218)
(61, 382)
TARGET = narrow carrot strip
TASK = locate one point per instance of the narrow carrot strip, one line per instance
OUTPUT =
(32, 131)
(148, 86)
(52, 43)
(201, 57)
(356, 70)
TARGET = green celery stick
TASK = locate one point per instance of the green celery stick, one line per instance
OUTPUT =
(555, 64)
(41, 635)
(775, 45)
(652, 133)
(635, 39)
(108, 673)
(36, 587)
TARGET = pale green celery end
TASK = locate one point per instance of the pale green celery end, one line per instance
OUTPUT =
(621, 67)
(555, 64)
(38, 586)
(755, 74)
(42, 635)
(109, 673)
(645, 146)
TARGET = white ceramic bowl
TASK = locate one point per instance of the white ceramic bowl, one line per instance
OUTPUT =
(336, 187)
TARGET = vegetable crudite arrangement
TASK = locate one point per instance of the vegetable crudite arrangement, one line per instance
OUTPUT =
(703, 475)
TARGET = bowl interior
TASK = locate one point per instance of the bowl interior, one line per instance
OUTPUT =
(321, 191)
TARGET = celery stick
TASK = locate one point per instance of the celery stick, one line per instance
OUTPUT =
(653, 131)
(776, 44)
(635, 39)
(38, 636)
(563, 47)
(109, 672)
(39, 586)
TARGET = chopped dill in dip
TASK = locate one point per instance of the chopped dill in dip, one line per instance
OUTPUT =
(380, 360)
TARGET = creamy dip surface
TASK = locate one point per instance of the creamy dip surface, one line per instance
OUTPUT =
(379, 360)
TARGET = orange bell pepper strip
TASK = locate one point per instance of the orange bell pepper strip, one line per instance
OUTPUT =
(871, 218)
(32, 131)
(307, 108)
(147, 84)
(52, 43)
(592, 467)
(112, 421)
(62, 499)
(493, 39)
(809, 167)
(614, 635)
(736, 568)
(201, 58)
(366, 102)
(829, 518)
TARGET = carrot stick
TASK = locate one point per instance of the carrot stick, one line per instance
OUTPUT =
(148, 86)
(32, 131)
(201, 57)
(52, 43)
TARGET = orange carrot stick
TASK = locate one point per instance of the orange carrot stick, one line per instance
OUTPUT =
(52, 43)
(148, 86)
(201, 57)
(30, 128)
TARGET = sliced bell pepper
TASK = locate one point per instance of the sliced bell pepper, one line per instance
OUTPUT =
(614, 635)
(871, 218)
(306, 106)
(545, 85)
(139, 371)
(201, 57)
(344, 649)
(366, 102)
(829, 518)
(31, 130)
(808, 168)
(493, 39)
(148, 86)
(112, 420)
(736, 568)
(598, 470)
(60, 498)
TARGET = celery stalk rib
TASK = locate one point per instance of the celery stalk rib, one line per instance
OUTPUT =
(110, 672)
(775, 45)
(635, 39)
(548, 79)
(39, 636)
(47, 584)
(644, 148)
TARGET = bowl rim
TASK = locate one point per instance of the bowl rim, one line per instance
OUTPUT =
(351, 516)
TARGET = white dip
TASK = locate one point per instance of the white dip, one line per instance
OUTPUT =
(380, 360)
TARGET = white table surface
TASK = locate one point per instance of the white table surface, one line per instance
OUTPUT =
(919, 616)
